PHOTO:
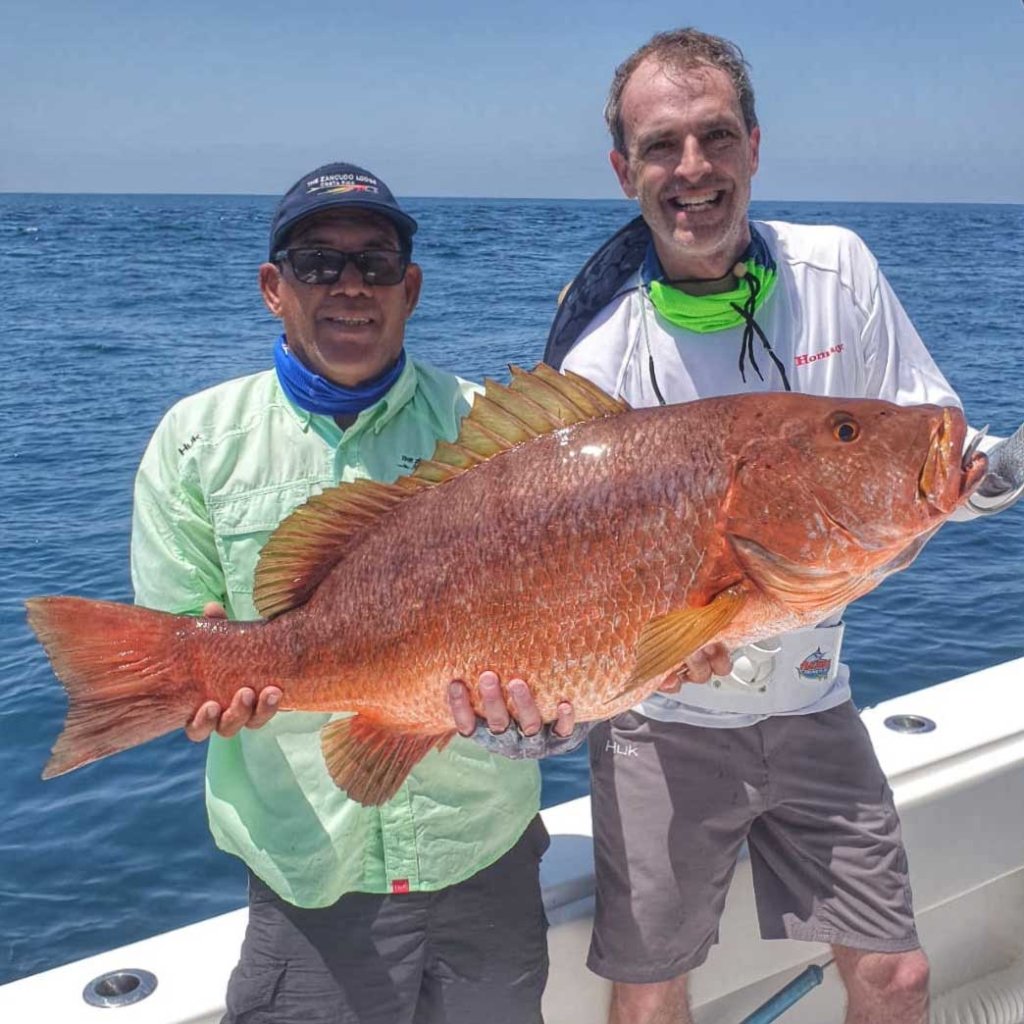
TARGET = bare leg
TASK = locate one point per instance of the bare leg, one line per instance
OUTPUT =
(884, 988)
(660, 1002)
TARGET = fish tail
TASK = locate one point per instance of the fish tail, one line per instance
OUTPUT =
(125, 673)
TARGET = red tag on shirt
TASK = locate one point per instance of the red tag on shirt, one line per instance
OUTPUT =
(400, 885)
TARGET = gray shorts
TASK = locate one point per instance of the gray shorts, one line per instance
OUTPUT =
(673, 804)
(473, 952)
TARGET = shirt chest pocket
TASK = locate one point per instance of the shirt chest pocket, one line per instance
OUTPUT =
(243, 523)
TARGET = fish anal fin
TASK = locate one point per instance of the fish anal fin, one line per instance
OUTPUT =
(667, 641)
(370, 762)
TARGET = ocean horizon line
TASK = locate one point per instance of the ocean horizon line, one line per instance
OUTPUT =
(519, 199)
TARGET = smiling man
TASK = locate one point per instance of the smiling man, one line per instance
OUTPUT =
(352, 334)
(689, 161)
(357, 915)
(690, 300)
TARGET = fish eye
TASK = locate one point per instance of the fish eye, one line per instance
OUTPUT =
(845, 428)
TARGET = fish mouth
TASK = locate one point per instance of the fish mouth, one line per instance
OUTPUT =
(949, 474)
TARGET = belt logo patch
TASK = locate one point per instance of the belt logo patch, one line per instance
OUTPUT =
(815, 667)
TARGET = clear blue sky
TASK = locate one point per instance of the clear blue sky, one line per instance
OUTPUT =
(870, 100)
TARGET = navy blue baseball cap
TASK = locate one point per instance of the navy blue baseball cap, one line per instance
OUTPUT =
(335, 186)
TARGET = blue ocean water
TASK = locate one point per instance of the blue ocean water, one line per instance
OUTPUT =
(116, 306)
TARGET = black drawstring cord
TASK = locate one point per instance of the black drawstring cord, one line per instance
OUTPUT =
(751, 327)
(654, 380)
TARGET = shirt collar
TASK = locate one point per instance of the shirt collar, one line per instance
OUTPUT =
(651, 268)
(757, 249)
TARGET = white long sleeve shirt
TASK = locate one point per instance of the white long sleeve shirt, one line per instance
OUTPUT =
(838, 328)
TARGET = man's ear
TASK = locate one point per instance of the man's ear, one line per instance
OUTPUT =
(270, 287)
(413, 282)
(620, 164)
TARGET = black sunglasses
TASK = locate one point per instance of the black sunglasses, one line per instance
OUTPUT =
(324, 266)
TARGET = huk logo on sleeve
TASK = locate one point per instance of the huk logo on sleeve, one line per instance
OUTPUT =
(182, 448)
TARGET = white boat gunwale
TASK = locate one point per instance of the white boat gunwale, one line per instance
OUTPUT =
(959, 789)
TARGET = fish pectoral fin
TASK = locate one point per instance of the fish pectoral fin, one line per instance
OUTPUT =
(667, 641)
(370, 762)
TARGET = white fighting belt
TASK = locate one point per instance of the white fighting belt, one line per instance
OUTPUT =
(780, 674)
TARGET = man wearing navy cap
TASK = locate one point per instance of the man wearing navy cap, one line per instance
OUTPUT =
(424, 909)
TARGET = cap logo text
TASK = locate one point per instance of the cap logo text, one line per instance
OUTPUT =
(342, 183)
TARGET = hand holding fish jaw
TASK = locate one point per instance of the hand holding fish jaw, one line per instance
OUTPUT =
(517, 734)
(712, 660)
(1003, 482)
(243, 711)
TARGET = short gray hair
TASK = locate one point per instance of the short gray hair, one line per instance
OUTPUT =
(682, 49)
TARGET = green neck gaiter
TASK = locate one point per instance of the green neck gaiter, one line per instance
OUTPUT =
(705, 314)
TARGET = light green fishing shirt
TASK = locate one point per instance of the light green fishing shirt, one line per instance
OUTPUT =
(223, 468)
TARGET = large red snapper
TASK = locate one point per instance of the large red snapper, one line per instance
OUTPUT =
(563, 538)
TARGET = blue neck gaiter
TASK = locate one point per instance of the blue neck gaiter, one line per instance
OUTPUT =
(314, 393)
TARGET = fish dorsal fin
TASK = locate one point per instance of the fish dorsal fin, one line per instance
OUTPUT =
(535, 402)
(580, 398)
(309, 542)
